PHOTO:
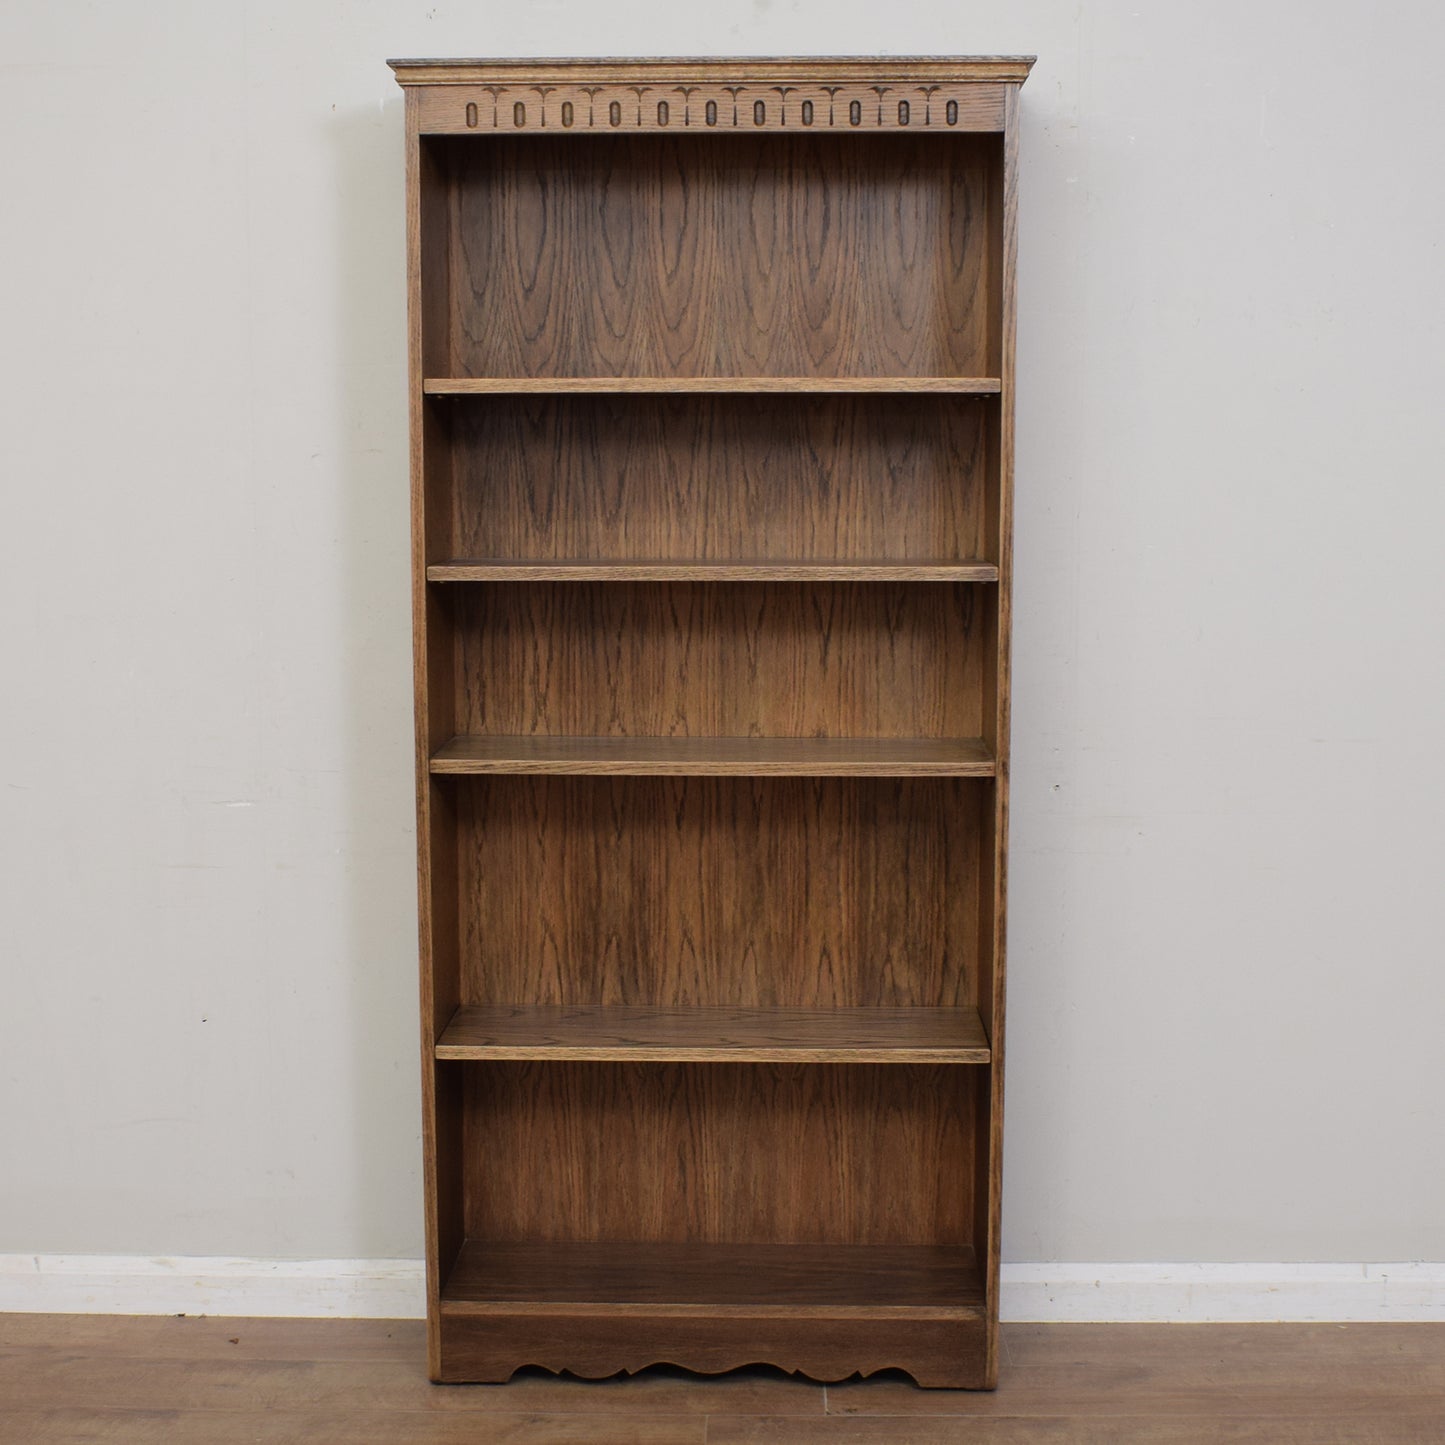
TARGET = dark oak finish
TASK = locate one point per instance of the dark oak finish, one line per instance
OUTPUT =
(439, 973)
(733, 892)
(711, 370)
(723, 258)
(753, 756)
(839, 479)
(701, 1034)
(803, 96)
(578, 569)
(703, 385)
(600, 1341)
(861, 1281)
(988, 1186)
(722, 660)
(827, 1311)
(718, 1154)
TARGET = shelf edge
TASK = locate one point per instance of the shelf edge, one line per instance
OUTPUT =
(741, 385)
(622, 570)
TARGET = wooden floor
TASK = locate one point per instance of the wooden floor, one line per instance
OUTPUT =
(80, 1378)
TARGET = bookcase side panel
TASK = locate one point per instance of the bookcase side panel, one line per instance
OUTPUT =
(988, 1185)
(432, 647)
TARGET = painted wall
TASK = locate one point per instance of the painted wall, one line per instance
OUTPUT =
(1227, 988)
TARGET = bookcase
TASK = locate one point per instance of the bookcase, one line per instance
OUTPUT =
(711, 390)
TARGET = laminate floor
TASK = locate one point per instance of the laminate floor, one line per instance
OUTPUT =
(80, 1378)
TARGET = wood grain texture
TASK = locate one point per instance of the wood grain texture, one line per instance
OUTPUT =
(988, 1187)
(1203, 1428)
(1193, 1373)
(705, 385)
(740, 256)
(341, 1424)
(708, 382)
(698, 1034)
(68, 1378)
(730, 892)
(594, 1345)
(756, 1280)
(434, 704)
(497, 109)
(827, 478)
(727, 1154)
(200, 1339)
(577, 569)
(609, 1307)
(752, 757)
(767, 660)
(759, 69)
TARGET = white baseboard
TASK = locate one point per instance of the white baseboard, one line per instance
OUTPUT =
(123, 1284)
(1237, 1293)
(393, 1289)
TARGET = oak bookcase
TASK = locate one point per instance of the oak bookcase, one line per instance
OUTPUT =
(711, 450)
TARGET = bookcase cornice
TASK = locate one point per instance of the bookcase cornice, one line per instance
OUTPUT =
(580, 97)
(722, 70)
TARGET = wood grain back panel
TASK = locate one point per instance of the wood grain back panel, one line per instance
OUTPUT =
(719, 1153)
(836, 892)
(737, 255)
(719, 477)
(773, 659)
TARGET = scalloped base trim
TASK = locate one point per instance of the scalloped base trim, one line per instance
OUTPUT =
(938, 1354)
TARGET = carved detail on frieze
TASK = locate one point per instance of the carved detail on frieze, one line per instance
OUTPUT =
(807, 105)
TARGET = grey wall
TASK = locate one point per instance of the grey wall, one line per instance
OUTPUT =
(1227, 984)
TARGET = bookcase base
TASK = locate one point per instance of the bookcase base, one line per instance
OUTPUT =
(937, 1353)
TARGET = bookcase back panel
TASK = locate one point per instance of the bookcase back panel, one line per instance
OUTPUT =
(806, 892)
(783, 659)
(739, 255)
(720, 1153)
(690, 478)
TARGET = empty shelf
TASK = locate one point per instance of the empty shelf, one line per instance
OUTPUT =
(570, 569)
(716, 1035)
(796, 757)
(715, 1280)
(492, 385)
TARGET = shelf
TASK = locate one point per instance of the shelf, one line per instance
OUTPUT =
(715, 1280)
(741, 757)
(570, 569)
(716, 1035)
(495, 385)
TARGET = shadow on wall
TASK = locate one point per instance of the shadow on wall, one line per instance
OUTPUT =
(382, 1201)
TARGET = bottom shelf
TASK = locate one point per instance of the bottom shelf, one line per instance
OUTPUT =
(821, 1310)
(716, 1279)
(701, 1034)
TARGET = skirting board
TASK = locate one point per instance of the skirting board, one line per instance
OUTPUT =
(1222, 1293)
(123, 1284)
(393, 1289)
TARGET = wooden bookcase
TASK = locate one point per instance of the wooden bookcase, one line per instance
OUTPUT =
(711, 450)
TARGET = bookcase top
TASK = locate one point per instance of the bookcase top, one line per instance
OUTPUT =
(845, 69)
(717, 96)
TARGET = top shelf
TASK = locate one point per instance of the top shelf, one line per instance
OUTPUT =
(493, 385)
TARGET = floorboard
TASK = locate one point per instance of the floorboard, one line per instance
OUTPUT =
(84, 1378)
